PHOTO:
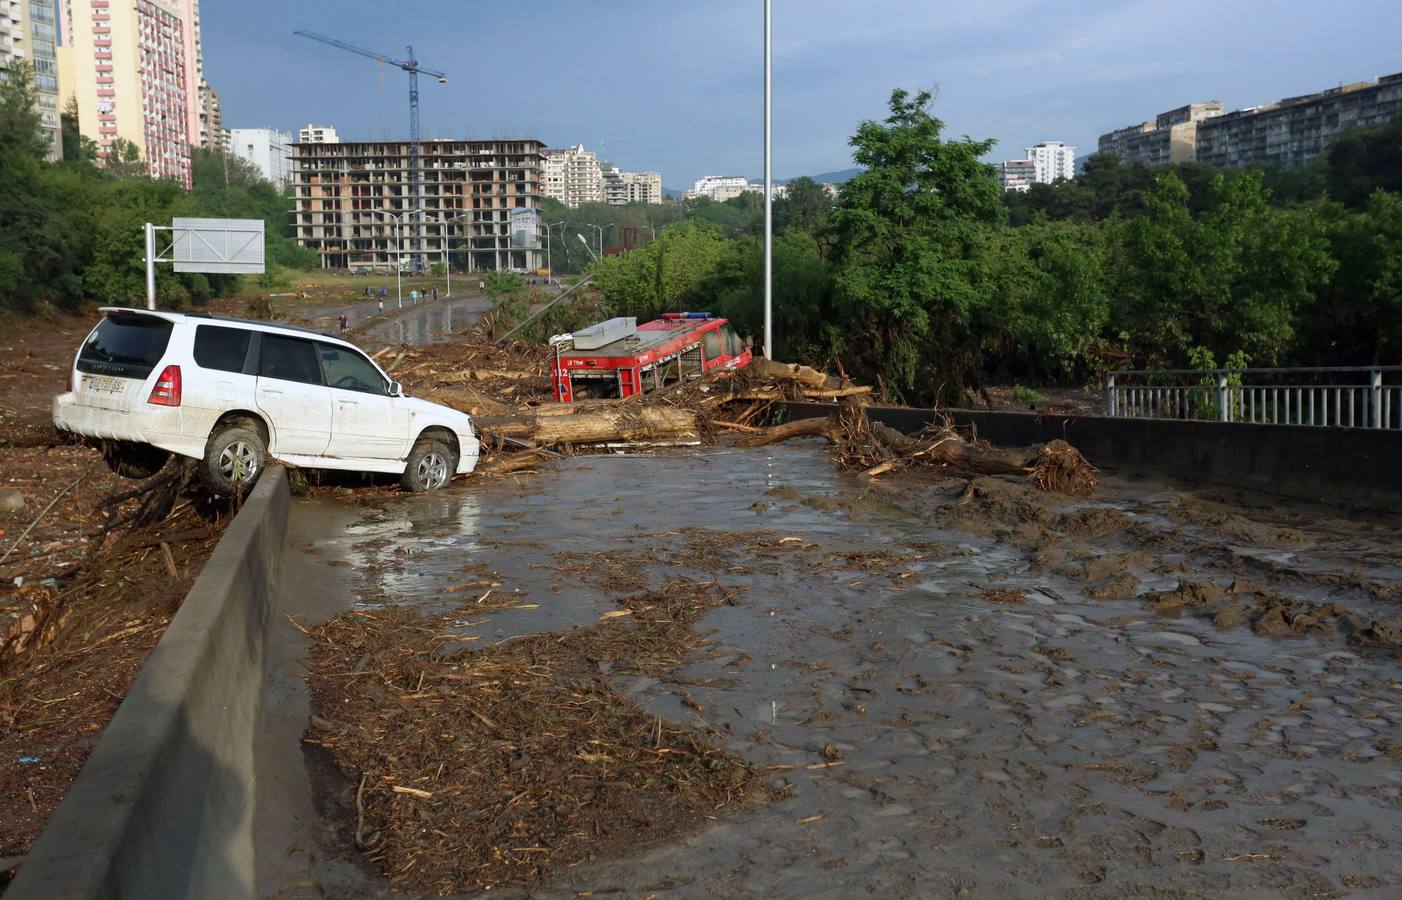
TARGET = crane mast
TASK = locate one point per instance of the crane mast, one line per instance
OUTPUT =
(410, 66)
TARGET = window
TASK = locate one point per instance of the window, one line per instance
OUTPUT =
(220, 348)
(734, 344)
(125, 345)
(289, 359)
(349, 371)
(712, 343)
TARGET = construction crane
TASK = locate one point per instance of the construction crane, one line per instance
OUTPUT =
(411, 66)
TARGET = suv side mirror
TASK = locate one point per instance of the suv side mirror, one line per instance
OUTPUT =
(396, 389)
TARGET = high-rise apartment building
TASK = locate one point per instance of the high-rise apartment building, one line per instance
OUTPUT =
(622, 187)
(29, 32)
(1018, 174)
(1052, 160)
(136, 74)
(1293, 131)
(268, 149)
(349, 193)
(1286, 133)
(573, 176)
(317, 134)
(212, 131)
(1172, 137)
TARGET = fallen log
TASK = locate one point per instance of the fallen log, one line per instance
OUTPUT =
(629, 423)
(829, 428)
(763, 369)
(465, 399)
(505, 463)
(950, 448)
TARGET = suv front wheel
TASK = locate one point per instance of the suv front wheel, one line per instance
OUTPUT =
(431, 465)
(233, 460)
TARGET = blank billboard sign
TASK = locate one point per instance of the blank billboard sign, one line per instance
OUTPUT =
(218, 245)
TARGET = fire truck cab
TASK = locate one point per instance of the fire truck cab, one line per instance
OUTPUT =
(620, 358)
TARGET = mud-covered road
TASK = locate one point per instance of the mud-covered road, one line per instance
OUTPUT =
(967, 689)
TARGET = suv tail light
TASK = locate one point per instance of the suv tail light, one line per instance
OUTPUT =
(167, 389)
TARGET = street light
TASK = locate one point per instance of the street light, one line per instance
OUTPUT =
(768, 187)
(601, 229)
(447, 259)
(549, 266)
(585, 241)
(398, 252)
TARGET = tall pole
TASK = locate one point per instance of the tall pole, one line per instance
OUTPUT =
(150, 266)
(447, 260)
(768, 187)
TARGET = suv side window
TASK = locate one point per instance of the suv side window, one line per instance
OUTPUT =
(349, 371)
(220, 348)
(711, 341)
(289, 359)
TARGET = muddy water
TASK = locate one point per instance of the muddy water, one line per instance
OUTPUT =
(426, 322)
(936, 742)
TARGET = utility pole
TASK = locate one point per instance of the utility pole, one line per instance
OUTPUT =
(768, 187)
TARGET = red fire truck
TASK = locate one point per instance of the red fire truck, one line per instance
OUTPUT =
(620, 358)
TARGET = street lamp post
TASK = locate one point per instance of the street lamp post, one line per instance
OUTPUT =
(398, 252)
(601, 229)
(768, 187)
(447, 257)
(585, 241)
(549, 229)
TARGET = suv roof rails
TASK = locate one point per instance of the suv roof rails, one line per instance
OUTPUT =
(286, 326)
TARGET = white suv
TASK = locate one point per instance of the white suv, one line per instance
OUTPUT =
(233, 392)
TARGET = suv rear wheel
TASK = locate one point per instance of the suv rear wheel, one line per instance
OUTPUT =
(431, 465)
(233, 460)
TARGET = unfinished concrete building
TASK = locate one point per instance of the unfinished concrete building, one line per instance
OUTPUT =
(352, 199)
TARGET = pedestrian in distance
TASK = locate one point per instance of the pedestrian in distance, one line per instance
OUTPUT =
(435, 295)
(382, 306)
(345, 322)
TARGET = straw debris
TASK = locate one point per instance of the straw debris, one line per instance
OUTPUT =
(498, 766)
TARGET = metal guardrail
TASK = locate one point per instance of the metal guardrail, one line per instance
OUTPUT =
(1330, 397)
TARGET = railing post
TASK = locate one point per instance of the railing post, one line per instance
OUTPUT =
(1224, 398)
(1376, 395)
(1110, 394)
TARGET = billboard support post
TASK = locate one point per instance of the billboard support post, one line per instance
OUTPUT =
(150, 265)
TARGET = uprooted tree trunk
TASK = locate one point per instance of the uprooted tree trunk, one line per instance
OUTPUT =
(876, 449)
(589, 426)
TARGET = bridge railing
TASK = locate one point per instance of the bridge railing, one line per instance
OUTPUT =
(1331, 397)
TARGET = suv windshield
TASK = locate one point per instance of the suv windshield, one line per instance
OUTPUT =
(126, 345)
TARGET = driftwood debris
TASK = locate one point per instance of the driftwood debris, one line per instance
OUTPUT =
(597, 425)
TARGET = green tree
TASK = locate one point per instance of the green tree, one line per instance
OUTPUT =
(910, 266)
(1362, 161)
(805, 206)
(76, 147)
(665, 274)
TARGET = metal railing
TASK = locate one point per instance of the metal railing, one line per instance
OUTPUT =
(1352, 397)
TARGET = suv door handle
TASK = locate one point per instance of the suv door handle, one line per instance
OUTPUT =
(348, 402)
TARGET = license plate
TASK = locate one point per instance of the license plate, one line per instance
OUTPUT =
(101, 384)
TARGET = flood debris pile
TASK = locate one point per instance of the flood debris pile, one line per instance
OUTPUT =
(508, 390)
(484, 768)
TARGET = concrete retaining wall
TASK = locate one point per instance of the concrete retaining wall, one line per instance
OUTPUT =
(164, 805)
(1353, 466)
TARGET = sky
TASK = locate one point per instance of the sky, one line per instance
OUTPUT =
(677, 85)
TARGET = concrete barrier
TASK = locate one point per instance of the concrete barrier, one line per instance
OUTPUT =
(164, 805)
(1351, 466)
